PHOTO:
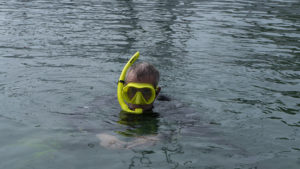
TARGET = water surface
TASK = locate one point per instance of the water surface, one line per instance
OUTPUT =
(232, 69)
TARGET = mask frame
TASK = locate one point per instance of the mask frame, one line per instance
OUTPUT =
(140, 96)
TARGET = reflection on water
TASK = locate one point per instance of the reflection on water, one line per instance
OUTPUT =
(233, 66)
(139, 125)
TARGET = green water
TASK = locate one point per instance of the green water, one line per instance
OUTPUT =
(232, 69)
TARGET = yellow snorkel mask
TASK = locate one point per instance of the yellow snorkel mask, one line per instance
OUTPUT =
(134, 93)
(138, 93)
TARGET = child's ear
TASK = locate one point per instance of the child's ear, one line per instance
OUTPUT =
(157, 91)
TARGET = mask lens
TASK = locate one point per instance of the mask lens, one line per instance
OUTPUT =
(136, 93)
(131, 92)
(147, 93)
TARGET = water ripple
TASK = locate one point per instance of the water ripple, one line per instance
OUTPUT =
(235, 61)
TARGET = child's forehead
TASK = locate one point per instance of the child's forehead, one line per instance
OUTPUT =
(132, 77)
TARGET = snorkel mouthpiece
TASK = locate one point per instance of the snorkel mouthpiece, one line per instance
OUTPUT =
(121, 85)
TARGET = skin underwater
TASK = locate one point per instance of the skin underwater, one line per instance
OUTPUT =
(121, 85)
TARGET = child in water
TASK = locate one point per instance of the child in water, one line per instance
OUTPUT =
(141, 90)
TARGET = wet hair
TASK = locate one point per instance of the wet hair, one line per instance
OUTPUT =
(144, 69)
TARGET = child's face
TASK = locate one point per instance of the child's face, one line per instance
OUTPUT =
(131, 78)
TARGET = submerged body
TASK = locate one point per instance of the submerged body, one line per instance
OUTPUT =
(141, 129)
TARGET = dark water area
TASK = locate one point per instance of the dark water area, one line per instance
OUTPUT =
(232, 69)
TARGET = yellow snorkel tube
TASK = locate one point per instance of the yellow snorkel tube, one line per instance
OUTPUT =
(121, 85)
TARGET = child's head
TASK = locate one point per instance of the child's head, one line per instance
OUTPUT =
(143, 73)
